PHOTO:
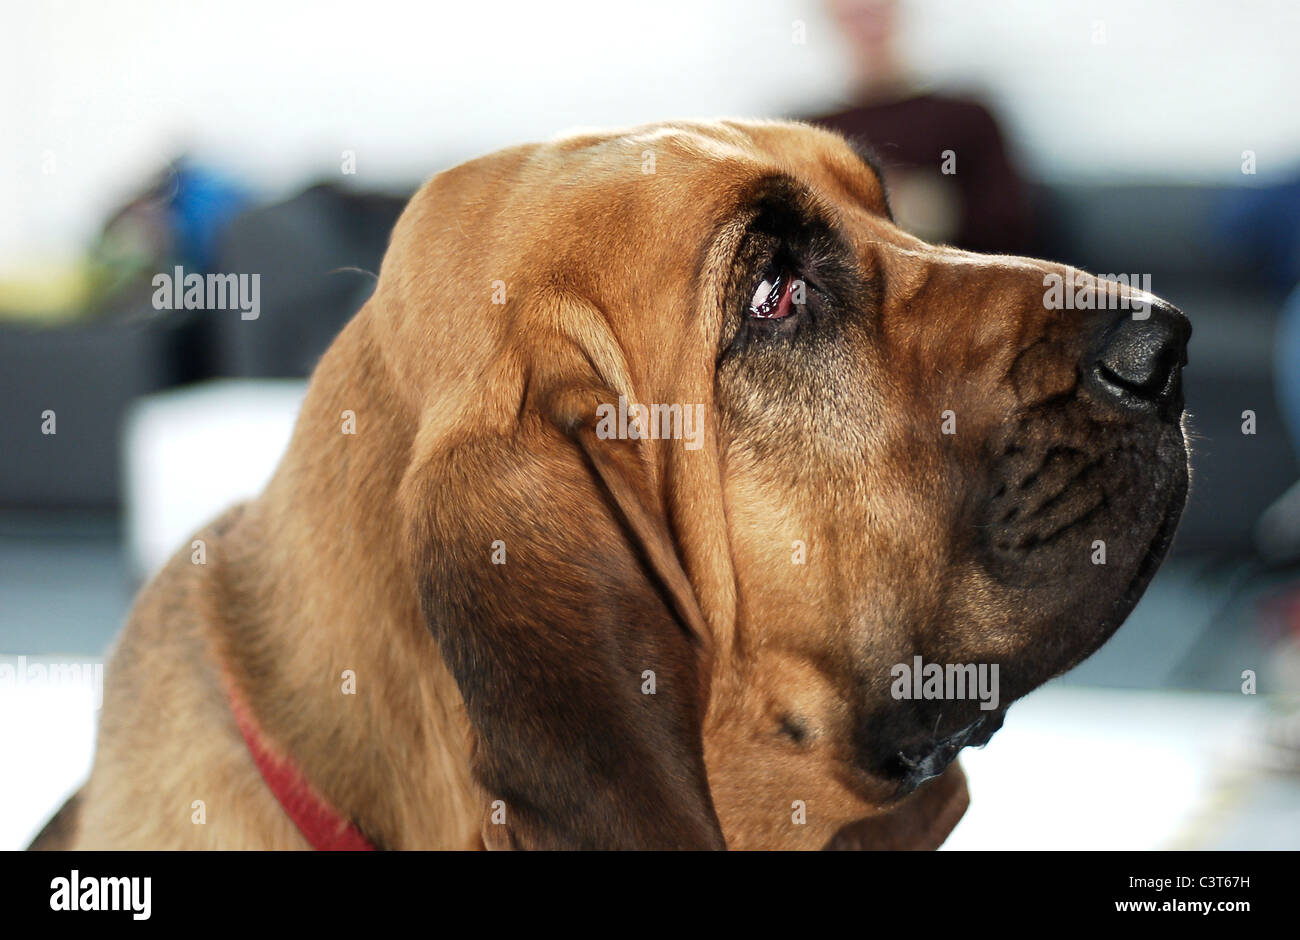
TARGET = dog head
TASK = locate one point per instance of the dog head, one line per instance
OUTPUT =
(716, 466)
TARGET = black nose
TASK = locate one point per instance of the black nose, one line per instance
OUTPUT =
(1138, 360)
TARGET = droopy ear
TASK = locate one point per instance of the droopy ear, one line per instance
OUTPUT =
(548, 579)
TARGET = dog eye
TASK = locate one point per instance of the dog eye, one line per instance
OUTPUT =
(772, 299)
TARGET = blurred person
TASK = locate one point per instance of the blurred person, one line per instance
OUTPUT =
(950, 178)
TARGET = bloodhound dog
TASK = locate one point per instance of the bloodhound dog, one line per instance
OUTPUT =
(623, 511)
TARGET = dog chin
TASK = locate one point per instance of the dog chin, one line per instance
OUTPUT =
(916, 756)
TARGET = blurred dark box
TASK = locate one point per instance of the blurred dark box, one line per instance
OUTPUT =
(87, 374)
(318, 255)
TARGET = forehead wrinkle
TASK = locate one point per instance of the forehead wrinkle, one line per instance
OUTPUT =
(853, 170)
(716, 271)
(865, 188)
(575, 317)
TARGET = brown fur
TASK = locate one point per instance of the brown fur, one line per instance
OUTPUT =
(522, 682)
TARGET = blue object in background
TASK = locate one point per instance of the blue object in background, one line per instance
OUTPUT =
(1264, 222)
(1286, 365)
(202, 203)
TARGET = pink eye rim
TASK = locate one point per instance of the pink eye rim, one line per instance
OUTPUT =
(773, 298)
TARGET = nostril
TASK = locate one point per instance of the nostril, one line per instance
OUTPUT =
(1139, 356)
(1138, 360)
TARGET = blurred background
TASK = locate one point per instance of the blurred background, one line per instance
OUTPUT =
(1157, 139)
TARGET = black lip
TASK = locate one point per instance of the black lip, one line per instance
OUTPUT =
(933, 760)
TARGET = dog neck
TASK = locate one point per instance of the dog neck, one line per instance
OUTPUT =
(350, 685)
(324, 828)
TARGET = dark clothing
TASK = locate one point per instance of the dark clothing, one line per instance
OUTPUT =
(912, 134)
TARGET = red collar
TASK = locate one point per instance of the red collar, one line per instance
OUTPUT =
(322, 825)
